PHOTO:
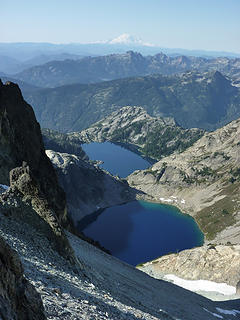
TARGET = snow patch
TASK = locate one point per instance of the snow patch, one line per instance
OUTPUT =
(174, 199)
(201, 285)
(166, 200)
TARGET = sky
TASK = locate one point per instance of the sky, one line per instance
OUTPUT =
(187, 24)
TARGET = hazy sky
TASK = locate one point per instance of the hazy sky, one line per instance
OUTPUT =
(189, 24)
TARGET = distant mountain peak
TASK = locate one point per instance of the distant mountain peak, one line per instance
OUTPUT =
(127, 39)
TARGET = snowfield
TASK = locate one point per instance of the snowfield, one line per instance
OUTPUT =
(201, 285)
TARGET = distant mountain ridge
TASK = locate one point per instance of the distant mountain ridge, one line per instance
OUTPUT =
(27, 50)
(12, 66)
(193, 99)
(116, 66)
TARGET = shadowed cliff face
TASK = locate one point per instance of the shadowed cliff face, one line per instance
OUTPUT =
(21, 140)
(18, 298)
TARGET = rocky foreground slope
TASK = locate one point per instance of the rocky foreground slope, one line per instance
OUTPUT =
(153, 137)
(100, 286)
(18, 298)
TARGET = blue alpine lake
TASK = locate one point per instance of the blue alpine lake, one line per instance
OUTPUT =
(116, 159)
(138, 231)
(141, 231)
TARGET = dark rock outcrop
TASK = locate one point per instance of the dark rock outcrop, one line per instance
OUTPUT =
(24, 185)
(18, 298)
(21, 140)
(32, 177)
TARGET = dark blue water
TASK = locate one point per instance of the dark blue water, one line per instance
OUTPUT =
(140, 231)
(117, 160)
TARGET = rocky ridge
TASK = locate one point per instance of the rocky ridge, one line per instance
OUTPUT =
(202, 181)
(88, 188)
(153, 137)
(21, 141)
(28, 171)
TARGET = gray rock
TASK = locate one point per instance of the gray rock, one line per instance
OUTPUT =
(21, 140)
(87, 187)
(19, 300)
(216, 263)
(133, 127)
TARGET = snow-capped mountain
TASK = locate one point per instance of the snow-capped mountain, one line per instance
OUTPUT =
(128, 39)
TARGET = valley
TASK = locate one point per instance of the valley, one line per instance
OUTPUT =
(130, 160)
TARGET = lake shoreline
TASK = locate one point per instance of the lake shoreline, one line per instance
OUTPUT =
(153, 232)
(149, 198)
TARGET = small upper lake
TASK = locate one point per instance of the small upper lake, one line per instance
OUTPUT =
(141, 231)
(116, 159)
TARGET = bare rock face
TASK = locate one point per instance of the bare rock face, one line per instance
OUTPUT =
(215, 263)
(23, 183)
(21, 140)
(32, 176)
(87, 187)
(18, 298)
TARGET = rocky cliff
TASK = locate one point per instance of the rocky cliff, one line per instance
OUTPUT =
(203, 181)
(30, 174)
(88, 188)
(153, 137)
(21, 141)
